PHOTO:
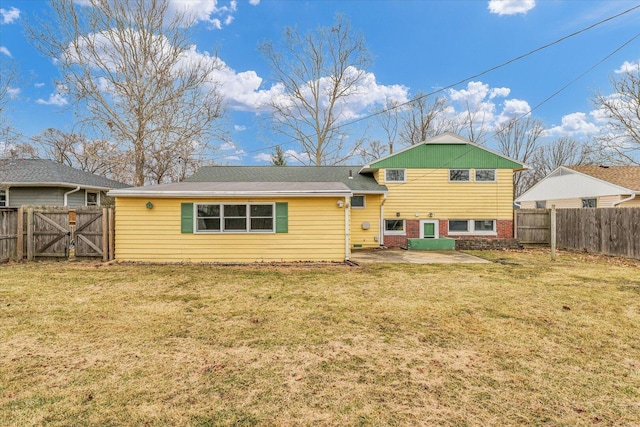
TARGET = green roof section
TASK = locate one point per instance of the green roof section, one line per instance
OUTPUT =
(348, 175)
(446, 156)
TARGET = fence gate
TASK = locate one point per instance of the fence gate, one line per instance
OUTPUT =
(90, 233)
(48, 232)
(532, 225)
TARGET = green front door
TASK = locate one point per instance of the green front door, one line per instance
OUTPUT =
(429, 230)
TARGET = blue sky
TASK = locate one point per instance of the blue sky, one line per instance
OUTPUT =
(418, 46)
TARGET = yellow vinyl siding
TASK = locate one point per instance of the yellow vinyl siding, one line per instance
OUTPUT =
(370, 214)
(428, 191)
(316, 233)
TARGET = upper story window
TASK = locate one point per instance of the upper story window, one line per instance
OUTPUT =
(358, 201)
(93, 199)
(485, 175)
(394, 175)
(3, 197)
(234, 218)
(590, 203)
(459, 175)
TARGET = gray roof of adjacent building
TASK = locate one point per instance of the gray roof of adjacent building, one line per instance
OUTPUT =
(46, 173)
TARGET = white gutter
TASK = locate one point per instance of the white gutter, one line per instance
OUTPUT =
(347, 227)
(381, 223)
(69, 192)
(628, 199)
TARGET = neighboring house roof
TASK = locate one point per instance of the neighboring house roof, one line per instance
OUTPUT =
(567, 182)
(47, 173)
(623, 176)
(445, 151)
(347, 175)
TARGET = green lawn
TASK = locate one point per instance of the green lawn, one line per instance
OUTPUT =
(520, 341)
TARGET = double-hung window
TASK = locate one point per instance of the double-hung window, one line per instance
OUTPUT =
(235, 218)
(3, 197)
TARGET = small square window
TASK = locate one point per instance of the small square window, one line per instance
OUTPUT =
(394, 175)
(485, 175)
(92, 199)
(589, 203)
(459, 175)
(541, 204)
(394, 226)
(357, 201)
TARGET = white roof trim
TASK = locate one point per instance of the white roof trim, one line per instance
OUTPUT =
(53, 184)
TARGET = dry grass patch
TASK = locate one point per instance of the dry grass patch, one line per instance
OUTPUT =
(518, 341)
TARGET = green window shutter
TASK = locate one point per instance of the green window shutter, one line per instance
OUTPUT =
(187, 217)
(282, 217)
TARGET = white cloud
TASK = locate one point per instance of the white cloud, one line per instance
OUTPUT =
(38, 85)
(5, 51)
(56, 99)
(514, 109)
(9, 15)
(262, 157)
(210, 11)
(254, 2)
(239, 128)
(628, 67)
(511, 7)
(574, 124)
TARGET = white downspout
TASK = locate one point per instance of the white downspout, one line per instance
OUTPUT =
(381, 223)
(628, 199)
(69, 192)
(347, 228)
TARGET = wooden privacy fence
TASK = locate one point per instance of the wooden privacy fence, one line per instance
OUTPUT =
(610, 231)
(532, 226)
(46, 232)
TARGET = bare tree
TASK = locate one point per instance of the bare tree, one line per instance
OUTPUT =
(8, 78)
(561, 152)
(131, 68)
(423, 119)
(622, 112)
(78, 151)
(518, 138)
(318, 72)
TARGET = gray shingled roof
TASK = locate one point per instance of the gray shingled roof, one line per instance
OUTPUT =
(364, 183)
(46, 172)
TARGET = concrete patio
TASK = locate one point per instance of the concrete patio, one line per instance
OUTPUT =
(362, 256)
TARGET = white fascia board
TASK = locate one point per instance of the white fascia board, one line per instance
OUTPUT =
(229, 194)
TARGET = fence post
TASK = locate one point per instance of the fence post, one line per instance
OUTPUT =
(112, 240)
(20, 235)
(553, 232)
(105, 234)
(30, 236)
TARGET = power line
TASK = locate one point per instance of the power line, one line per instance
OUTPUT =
(482, 73)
